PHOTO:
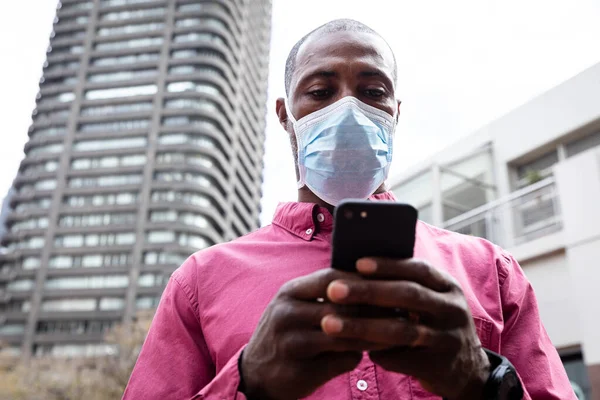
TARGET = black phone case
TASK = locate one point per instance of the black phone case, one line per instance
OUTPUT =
(372, 229)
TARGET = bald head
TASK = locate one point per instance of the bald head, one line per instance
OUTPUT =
(338, 25)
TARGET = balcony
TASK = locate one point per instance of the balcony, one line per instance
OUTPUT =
(523, 216)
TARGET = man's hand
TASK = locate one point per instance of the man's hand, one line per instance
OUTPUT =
(441, 350)
(289, 356)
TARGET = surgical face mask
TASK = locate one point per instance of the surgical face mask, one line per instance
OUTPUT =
(344, 149)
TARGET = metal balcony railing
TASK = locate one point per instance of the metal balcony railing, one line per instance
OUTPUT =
(524, 215)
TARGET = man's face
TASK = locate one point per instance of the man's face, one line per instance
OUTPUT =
(331, 66)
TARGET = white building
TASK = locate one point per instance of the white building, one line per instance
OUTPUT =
(530, 182)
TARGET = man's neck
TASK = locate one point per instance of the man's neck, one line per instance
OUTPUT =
(306, 196)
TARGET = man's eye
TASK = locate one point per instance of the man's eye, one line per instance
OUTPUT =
(320, 93)
(375, 92)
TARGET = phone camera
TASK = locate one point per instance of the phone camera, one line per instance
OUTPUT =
(363, 214)
(348, 214)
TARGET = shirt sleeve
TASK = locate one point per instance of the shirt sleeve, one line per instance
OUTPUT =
(524, 340)
(175, 362)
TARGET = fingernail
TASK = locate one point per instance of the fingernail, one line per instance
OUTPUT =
(331, 324)
(337, 290)
(366, 265)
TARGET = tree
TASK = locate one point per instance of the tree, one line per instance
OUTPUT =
(97, 378)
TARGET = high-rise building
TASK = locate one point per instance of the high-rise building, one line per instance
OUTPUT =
(146, 145)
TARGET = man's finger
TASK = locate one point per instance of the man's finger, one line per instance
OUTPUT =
(404, 295)
(392, 332)
(411, 270)
(309, 344)
(313, 286)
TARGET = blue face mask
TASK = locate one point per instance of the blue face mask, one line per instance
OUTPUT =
(344, 149)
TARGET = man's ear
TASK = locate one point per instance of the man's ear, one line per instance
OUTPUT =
(281, 112)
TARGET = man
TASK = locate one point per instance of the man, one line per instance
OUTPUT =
(264, 317)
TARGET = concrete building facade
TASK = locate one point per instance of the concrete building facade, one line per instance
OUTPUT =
(146, 145)
(530, 182)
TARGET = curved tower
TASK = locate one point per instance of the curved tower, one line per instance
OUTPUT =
(146, 145)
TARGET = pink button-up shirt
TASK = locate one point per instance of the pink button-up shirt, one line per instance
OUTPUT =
(214, 301)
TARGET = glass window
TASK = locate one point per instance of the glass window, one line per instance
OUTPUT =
(180, 197)
(122, 75)
(163, 216)
(129, 44)
(121, 92)
(114, 126)
(181, 238)
(206, 21)
(101, 200)
(112, 3)
(61, 66)
(49, 131)
(80, 20)
(86, 220)
(108, 180)
(190, 121)
(31, 223)
(161, 237)
(29, 205)
(131, 14)
(147, 302)
(46, 184)
(176, 176)
(69, 305)
(164, 257)
(187, 138)
(580, 145)
(197, 104)
(34, 170)
(150, 280)
(112, 303)
(88, 282)
(60, 97)
(117, 108)
(90, 260)
(128, 59)
(12, 329)
(189, 86)
(109, 144)
(130, 29)
(82, 5)
(183, 158)
(49, 148)
(32, 242)
(197, 52)
(108, 161)
(31, 263)
(20, 285)
(536, 170)
(51, 115)
(93, 239)
(198, 37)
(75, 350)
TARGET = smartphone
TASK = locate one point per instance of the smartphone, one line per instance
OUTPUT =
(372, 229)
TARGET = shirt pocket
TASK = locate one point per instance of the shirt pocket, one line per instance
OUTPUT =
(484, 331)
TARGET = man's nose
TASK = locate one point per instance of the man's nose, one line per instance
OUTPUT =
(345, 91)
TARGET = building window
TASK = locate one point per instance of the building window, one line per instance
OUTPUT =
(189, 86)
(90, 260)
(61, 66)
(32, 242)
(181, 238)
(112, 303)
(32, 263)
(205, 22)
(88, 282)
(43, 203)
(197, 52)
(187, 138)
(75, 350)
(187, 218)
(51, 115)
(176, 176)
(180, 197)
(114, 126)
(196, 104)
(103, 181)
(108, 162)
(113, 3)
(131, 14)
(184, 158)
(32, 223)
(147, 302)
(94, 239)
(536, 170)
(20, 285)
(585, 143)
(80, 20)
(164, 257)
(102, 199)
(49, 132)
(151, 280)
(82, 5)
(121, 92)
(122, 75)
(46, 149)
(117, 109)
(129, 44)
(185, 120)
(74, 327)
(12, 329)
(87, 220)
(130, 29)
(35, 170)
(69, 305)
(198, 37)
(128, 59)
(109, 144)
(46, 184)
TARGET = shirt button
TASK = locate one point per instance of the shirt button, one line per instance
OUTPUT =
(320, 217)
(362, 385)
(309, 231)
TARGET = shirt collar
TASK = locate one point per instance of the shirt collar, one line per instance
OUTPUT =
(307, 219)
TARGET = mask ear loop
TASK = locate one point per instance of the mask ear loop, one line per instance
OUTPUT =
(300, 183)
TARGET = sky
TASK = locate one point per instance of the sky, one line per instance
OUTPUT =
(461, 64)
